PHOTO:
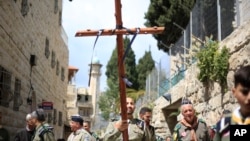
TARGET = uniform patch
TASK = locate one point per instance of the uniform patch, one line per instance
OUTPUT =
(183, 134)
(175, 136)
(86, 138)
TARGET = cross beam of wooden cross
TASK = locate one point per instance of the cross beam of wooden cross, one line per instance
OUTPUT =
(120, 31)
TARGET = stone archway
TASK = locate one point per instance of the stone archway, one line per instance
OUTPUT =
(170, 113)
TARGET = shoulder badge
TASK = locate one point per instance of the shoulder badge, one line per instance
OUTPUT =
(177, 126)
(86, 138)
(139, 123)
(201, 120)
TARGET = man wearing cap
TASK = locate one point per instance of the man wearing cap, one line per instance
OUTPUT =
(43, 131)
(78, 133)
(133, 125)
(190, 128)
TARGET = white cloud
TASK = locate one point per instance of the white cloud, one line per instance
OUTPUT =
(100, 14)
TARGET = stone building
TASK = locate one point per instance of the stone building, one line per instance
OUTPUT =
(83, 101)
(209, 103)
(33, 63)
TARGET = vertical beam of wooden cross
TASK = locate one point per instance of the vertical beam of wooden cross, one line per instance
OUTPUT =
(120, 31)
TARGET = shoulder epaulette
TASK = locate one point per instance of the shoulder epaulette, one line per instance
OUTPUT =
(43, 130)
(202, 121)
(138, 122)
(177, 126)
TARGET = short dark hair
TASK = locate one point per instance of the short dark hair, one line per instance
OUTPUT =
(39, 114)
(144, 110)
(88, 122)
(242, 76)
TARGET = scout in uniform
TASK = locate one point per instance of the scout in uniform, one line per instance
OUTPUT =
(43, 131)
(146, 115)
(134, 126)
(86, 126)
(190, 128)
(240, 115)
(78, 133)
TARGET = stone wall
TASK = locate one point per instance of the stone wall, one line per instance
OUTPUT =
(34, 28)
(208, 107)
(244, 6)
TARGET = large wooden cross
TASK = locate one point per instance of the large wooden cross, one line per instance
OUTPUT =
(120, 31)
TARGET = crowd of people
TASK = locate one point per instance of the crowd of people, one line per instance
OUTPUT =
(189, 128)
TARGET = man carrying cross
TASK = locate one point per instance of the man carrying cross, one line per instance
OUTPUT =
(119, 31)
(134, 126)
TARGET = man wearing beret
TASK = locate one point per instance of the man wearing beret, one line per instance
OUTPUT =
(190, 128)
(78, 133)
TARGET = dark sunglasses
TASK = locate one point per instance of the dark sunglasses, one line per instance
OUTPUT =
(245, 91)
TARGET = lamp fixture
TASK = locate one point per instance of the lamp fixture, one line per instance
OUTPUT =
(167, 96)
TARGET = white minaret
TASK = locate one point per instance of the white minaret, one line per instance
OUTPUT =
(94, 88)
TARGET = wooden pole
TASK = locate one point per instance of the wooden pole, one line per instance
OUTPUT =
(121, 68)
(119, 31)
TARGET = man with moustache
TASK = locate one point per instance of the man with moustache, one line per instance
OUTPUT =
(190, 128)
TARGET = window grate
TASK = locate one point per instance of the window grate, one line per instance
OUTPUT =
(6, 95)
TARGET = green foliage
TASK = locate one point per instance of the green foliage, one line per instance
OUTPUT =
(165, 13)
(106, 100)
(213, 63)
(109, 102)
(144, 67)
(130, 65)
(221, 66)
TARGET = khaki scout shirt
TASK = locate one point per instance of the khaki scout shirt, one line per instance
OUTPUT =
(80, 135)
(149, 133)
(183, 133)
(47, 136)
(135, 133)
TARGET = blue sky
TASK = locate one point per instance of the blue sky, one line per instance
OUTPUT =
(99, 14)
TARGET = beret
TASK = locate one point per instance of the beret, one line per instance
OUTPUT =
(77, 118)
(185, 101)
